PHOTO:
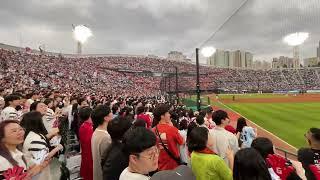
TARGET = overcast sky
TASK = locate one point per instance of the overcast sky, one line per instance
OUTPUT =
(159, 26)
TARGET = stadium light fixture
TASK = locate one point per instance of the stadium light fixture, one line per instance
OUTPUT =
(296, 39)
(208, 51)
(82, 33)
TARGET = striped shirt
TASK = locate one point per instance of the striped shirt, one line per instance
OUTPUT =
(9, 113)
(48, 119)
(33, 144)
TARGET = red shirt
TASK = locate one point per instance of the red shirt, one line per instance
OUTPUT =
(171, 138)
(85, 134)
(146, 118)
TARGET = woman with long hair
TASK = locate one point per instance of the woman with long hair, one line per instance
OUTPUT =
(249, 165)
(11, 137)
(245, 133)
(36, 141)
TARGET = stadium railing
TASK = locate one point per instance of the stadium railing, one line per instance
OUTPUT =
(287, 154)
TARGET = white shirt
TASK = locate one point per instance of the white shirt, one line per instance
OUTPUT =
(183, 148)
(9, 113)
(127, 175)
(223, 139)
(31, 146)
(16, 155)
(48, 119)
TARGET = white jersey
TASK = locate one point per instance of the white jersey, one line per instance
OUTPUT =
(9, 113)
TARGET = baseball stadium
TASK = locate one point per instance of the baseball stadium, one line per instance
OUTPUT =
(160, 89)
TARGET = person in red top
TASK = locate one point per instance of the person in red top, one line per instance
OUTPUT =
(141, 115)
(85, 134)
(169, 136)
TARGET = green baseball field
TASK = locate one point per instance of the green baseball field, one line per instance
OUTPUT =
(286, 116)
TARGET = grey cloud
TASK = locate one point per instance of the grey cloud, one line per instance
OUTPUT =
(158, 26)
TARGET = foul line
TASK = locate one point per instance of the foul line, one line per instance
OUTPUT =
(258, 125)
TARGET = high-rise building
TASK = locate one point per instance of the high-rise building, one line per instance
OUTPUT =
(318, 50)
(238, 59)
(285, 62)
(312, 62)
(231, 59)
(219, 59)
(248, 60)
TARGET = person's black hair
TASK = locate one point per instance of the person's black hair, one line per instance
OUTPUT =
(34, 105)
(117, 127)
(315, 134)
(263, 145)
(139, 123)
(159, 111)
(198, 139)
(140, 110)
(241, 123)
(47, 101)
(183, 124)
(249, 165)
(218, 116)
(190, 113)
(32, 121)
(202, 113)
(115, 108)
(98, 115)
(84, 113)
(209, 110)
(191, 126)
(200, 120)
(138, 139)
(10, 98)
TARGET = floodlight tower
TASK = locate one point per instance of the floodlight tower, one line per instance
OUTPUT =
(206, 52)
(81, 34)
(295, 40)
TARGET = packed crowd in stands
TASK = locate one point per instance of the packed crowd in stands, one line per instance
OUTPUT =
(126, 130)
(136, 75)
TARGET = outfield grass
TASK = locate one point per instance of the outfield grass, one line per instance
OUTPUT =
(289, 121)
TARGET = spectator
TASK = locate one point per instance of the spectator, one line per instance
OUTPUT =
(183, 150)
(249, 164)
(85, 135)
(35, 141)
(115, 159)
(39, 107)
(245, 133)
(265, 148)
(115, 110)
(10, 112)
(141, 115)
(49, 117)
(11, 135)
(168, 138)
(223, 138)
(33, 96)
(140, 123)
(208, 118)
(101, 139)
(204, 162)
(140, 144)
(310, 157)
(200, 121)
